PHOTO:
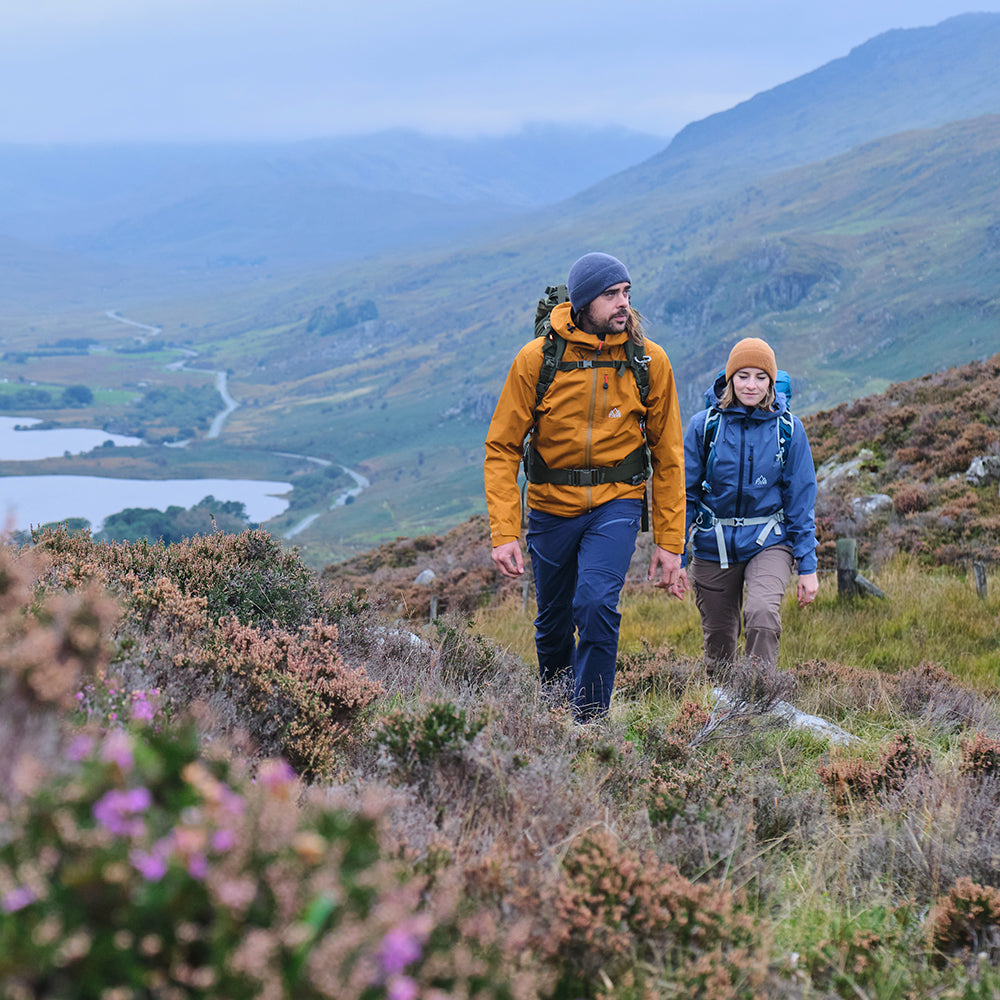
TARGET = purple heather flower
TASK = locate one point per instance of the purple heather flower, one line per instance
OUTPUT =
(17, 899)
(223, 840)
(115, 811)
(151, 865)
(80, 747)
(197, 865)
(398, 949)
(142, 711)
(276, 773)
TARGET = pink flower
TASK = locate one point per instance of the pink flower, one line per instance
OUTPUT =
(142, 711)
(223, 840)
(275, 774)
(80, 747)
(117, 749)
(401, 988)
(151, 865)
(197, 865)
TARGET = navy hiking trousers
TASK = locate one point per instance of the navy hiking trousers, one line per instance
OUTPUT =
(579, 565)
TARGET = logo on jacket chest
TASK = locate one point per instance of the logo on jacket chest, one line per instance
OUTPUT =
(615, 413)
(760, 481)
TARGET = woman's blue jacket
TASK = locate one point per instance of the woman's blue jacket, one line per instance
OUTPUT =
(747, 479)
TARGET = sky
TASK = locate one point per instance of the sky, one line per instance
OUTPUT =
(219, 70)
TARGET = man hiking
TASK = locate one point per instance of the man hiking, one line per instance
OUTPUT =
(606, 420)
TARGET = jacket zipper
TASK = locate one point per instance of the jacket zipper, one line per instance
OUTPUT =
(739, 480)
(587, 459)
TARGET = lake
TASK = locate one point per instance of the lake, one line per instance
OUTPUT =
(28, 446)
(35, 500)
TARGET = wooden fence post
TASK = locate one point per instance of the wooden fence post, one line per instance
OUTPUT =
(847, 567)
(849, 580)
(980, 570)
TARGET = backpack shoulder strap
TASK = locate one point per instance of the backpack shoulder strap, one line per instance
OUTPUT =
(552, 352)
(639, 363)
(708, 433)
(786, 428)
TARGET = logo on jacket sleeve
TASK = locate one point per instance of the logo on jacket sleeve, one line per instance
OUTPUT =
(615, 413)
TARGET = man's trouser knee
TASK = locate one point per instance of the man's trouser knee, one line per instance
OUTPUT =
(579, 566)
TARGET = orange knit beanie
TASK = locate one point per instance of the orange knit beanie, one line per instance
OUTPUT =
(752, 352)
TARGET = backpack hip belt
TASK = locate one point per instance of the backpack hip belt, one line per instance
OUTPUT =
(709, 522)
(633, 469)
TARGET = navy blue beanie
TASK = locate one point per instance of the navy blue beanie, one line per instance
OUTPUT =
(591, 274)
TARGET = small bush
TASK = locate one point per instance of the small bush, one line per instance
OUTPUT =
(614, 908)
(966, 920)
(857, 781)
(980, 756)
(439, 734)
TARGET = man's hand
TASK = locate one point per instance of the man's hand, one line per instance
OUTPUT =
(508, 559)
(665, 572)
(808, 587)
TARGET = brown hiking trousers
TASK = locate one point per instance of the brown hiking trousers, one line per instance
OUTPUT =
(719, 594)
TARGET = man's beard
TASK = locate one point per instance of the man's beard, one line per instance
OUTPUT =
(602, 329)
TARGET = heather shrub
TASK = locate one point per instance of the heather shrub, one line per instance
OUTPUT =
(966, 920)
(151, 871)
(435, 735)
(299, 698)
(51, 643)
(855, 781)
(246, 575)
(857, 954)
(655, 670)
(698, 784)
(980, 756)
(618, 914)
(465, 656)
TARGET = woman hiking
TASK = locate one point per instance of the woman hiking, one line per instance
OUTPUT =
(751, 490)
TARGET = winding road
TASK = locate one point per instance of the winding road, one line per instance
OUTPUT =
(230, 404)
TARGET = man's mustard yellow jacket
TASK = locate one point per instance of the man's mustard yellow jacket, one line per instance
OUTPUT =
(589, 418)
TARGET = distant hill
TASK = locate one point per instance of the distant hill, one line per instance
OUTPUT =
(903, 79)
(293, 204)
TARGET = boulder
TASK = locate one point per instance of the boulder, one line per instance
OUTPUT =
(983, 469)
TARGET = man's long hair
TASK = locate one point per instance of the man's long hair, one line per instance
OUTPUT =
(634, 328)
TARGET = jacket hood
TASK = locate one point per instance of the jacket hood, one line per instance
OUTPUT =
(562, 323)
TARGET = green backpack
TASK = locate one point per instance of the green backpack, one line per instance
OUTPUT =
(555, 346)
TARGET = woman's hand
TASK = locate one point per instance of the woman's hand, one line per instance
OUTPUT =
(808, 586)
